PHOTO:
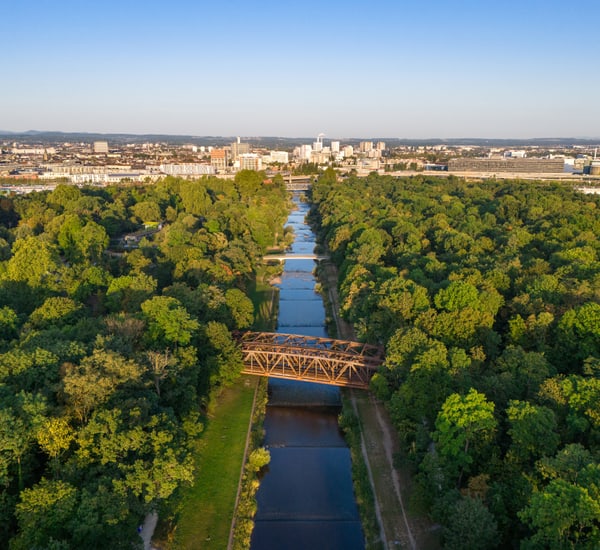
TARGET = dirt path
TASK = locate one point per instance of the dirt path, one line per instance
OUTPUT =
(148, 529)
(379, 443)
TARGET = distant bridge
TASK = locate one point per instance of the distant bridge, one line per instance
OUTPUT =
(310, 358)
(284, 257)
(298, 183)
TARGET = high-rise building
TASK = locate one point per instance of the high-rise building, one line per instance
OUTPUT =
(380, 146)
(348, 151)
(303, 152)
(365, 146)
(335, 146)
(238, 148)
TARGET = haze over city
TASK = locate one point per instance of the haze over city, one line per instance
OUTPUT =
(517, 69)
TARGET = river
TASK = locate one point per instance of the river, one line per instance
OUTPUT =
(306, 499)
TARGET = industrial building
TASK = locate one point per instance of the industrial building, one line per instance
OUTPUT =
(513, 165)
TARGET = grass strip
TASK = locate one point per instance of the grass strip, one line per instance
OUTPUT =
(205, 510)
(365, 499)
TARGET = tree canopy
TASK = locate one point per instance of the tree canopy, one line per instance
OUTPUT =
(116, 307)
(486, 296)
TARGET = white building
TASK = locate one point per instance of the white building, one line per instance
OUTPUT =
(33, 151)
(250, 161)
(187, 169)
(100, 147)
(283, 157)
(303, 152)
(335, 146)
(348, 151)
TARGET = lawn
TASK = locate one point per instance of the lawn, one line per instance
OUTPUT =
(206, 509)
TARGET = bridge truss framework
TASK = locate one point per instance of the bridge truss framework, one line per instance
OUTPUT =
(309, 358)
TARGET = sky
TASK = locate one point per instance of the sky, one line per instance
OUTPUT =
(390, 68)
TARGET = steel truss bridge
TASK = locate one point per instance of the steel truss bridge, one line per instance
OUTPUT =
(309, 358)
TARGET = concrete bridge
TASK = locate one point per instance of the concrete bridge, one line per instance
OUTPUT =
(284, 257)
(310, 358)
(298, 183)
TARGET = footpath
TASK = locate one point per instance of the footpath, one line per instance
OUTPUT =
(398, 527)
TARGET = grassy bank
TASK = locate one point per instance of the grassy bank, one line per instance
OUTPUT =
(257, 458)
(202, 516)
(365, 499)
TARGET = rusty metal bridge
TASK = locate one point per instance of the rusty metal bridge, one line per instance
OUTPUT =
(309, 358)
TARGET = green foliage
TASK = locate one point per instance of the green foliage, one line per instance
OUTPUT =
(258, 459)
(127, 292)
(481, 293)
(579, 333)
(471, 526)
(9, 322)
(169, 324)
(55, 311)
(240, 307)
(108, 357)
(533, 431)
(565, 513)
(43, 514)
(91, 382)
(464, 426)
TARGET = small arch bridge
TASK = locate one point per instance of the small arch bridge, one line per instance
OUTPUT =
(310, 358)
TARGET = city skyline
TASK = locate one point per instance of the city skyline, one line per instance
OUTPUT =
(392, 69)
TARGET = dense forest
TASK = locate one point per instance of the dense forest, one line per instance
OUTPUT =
(116, 311)
(487, 299)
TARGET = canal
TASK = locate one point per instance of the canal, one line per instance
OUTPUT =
(306, 498)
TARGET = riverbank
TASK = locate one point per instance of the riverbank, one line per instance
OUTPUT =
(399, 526)
(202, 515)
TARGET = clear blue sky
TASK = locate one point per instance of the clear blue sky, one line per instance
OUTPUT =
(391, 68)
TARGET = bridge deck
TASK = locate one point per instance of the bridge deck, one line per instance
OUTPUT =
(284, 257)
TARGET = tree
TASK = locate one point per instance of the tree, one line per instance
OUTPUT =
(147, 211)
(533, 431)
(15, 439)
(54, 437)
(43, 515)
(126, 293)
(578, 334)
(258, 459)
(240, 307)
(169, 323)
(92, 382)
(566, 514)
(9, 322)
(458, 295)
(55, 311)
(470, 526)
(159, 363)
(35, 262)
(464, 426)
(224, 356)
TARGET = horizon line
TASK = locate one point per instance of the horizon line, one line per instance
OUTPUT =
(32, 133)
